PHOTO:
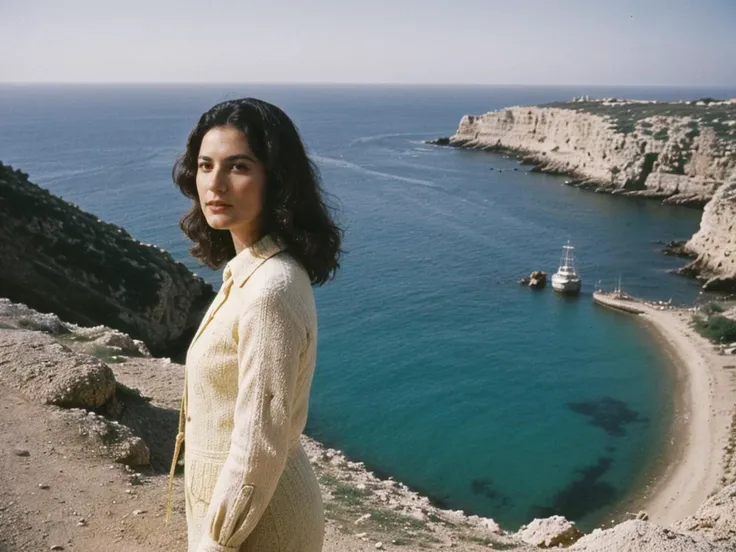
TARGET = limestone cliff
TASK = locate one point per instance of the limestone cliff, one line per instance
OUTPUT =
(57, 258)
(715, 242)
(681, 152)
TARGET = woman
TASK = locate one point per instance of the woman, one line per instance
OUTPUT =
(258, 210)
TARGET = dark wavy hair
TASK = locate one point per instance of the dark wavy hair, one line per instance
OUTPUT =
(294, 209)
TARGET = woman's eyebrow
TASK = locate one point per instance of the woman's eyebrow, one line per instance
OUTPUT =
(231, 157)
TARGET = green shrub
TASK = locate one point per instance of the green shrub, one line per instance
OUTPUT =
(694, 131)
(713, 308)
(662, 134)
(717, 328)
(480, 540)
(489, 542)
(107, 355)
(345, 493)
(390, 520)
(625, 117)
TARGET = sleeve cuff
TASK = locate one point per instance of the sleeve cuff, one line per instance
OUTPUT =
(207, 545)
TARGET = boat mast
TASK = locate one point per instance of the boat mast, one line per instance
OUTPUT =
(567, 256)
(618, 291)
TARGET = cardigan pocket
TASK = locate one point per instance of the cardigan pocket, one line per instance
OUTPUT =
(200, 477)
(233, 524)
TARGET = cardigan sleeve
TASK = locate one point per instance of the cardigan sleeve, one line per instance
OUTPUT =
(269, 345)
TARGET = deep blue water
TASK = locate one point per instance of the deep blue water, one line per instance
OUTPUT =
(434, 365)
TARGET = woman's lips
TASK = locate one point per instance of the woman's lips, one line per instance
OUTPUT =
(218, 207)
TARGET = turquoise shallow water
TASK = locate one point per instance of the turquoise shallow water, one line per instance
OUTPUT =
(434, 365)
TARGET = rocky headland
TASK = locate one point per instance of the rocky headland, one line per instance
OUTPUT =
(59, 259)
(680, 152)
(714, 245)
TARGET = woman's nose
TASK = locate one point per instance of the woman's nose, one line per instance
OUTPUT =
(217, 180)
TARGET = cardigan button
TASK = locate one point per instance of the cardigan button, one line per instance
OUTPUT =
(189, 418)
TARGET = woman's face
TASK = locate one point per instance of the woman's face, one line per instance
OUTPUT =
(230, 183)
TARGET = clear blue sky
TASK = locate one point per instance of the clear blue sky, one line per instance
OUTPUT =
(630, 42)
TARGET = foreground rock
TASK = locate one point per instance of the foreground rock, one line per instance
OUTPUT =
(677, 249)
(87, 340)
(550, 532)
(58, 259)
(641, 536)
(46, 371)
(715, 242)
(715, 519)
(108, 437)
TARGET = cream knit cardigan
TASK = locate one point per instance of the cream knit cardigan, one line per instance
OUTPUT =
(248, 484)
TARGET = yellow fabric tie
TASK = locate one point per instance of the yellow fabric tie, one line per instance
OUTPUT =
(177, 451)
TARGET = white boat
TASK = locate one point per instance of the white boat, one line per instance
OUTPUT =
(566, 279)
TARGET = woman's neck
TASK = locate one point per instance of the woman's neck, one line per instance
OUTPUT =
(244, 240)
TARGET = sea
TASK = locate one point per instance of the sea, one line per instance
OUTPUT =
(435, 366)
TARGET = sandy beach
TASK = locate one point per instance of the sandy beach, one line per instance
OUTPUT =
(699, 455)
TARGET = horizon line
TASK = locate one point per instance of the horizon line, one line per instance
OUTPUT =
(353, 83)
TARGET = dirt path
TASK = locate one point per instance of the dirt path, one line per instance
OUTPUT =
(89, 504)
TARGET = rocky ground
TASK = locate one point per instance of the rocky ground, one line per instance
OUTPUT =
(87, 420)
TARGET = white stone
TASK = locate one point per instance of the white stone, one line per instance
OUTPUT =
(549, 532)
(491, 525)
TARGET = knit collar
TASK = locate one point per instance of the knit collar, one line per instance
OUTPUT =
(240, 267)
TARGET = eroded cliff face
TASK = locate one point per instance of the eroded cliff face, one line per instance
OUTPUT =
(681, 158)
(715, 242)
(57, 258)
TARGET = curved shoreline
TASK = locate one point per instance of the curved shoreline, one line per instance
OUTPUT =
(691, 457)
(695, 461)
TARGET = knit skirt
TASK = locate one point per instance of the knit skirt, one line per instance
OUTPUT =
(293, 520)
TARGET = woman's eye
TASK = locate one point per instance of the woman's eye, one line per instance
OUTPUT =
(240, 167)
(204, 165)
